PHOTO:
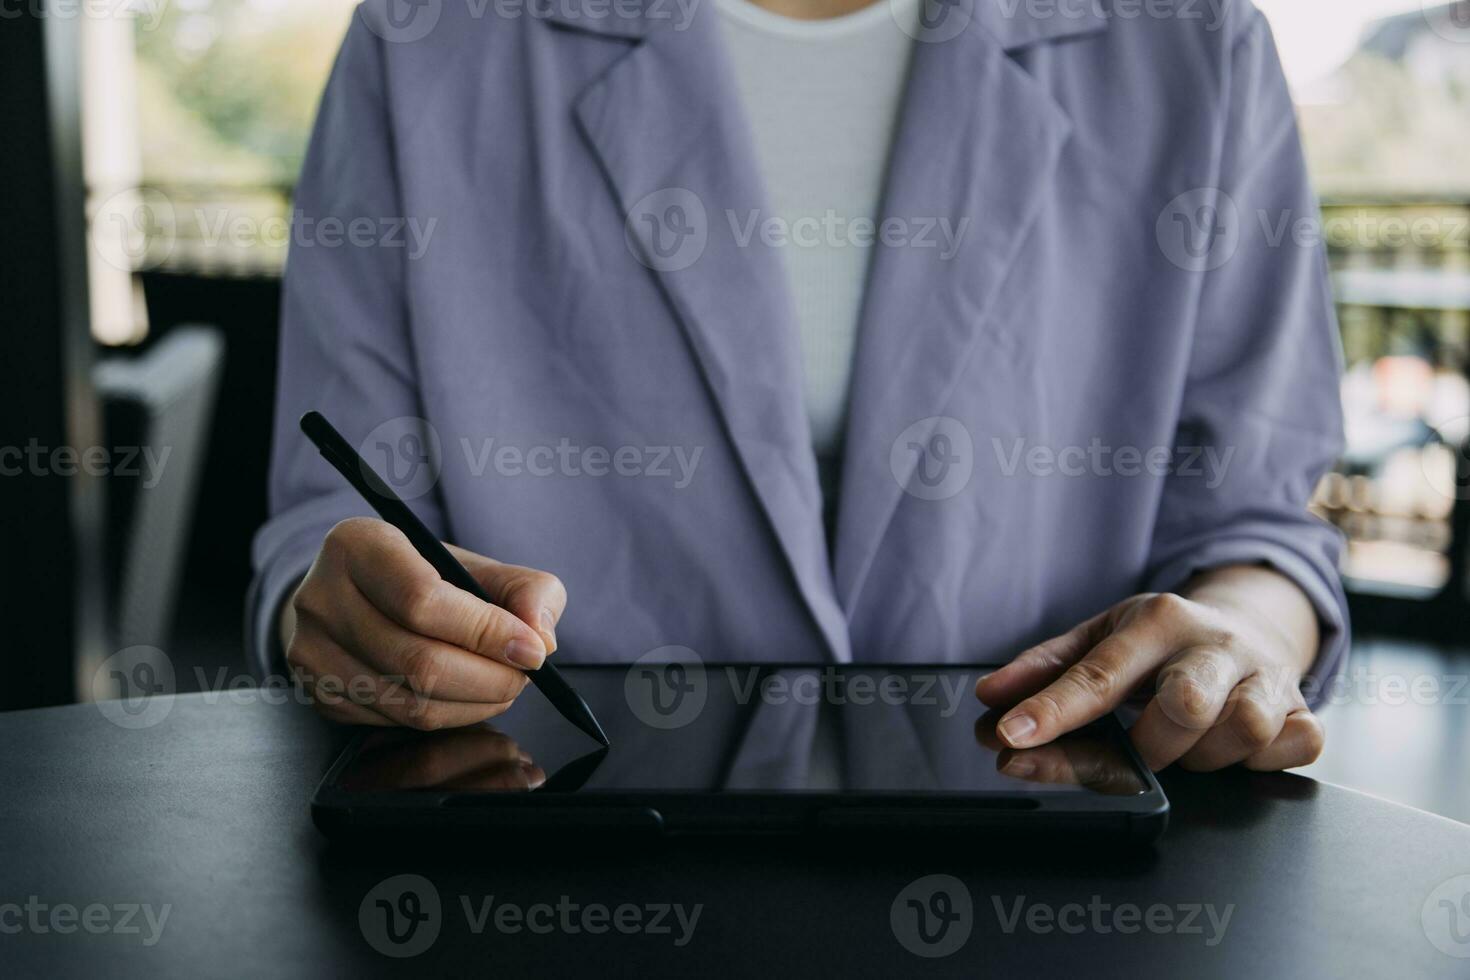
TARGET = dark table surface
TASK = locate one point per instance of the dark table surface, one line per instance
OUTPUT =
(205, 811)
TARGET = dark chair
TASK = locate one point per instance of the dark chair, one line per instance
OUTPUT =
(162, 400)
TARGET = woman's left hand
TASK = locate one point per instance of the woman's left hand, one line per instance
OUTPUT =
(1225, 658)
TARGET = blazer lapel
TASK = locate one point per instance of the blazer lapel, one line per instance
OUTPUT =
(665, 122)
(978, 142)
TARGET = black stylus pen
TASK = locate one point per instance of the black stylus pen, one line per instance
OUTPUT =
(365, 480)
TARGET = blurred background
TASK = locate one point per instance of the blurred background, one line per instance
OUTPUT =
(156, 176)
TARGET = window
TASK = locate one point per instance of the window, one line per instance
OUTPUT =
(1383, 92)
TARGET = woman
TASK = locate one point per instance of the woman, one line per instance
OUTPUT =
(921, 332)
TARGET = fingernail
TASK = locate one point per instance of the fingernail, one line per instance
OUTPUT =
(548, 630)
(521, 653)
(1017, 728)
(1020, 768)
(535, 776)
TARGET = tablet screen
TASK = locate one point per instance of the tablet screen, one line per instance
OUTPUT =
(687, 727)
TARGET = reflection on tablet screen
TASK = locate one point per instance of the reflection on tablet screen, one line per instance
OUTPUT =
(756, 730)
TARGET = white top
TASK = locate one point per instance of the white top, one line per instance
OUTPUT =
(822, 98)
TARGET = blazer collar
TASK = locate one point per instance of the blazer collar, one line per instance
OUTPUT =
(977, 144)
(670, 134)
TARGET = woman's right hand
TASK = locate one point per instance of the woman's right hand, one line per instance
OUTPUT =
(376, 637)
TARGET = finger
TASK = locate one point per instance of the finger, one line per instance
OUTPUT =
(405, 707)
(535, 597)
(338, 684)
(1043, 764)
(1105, 771)
(1190, 694)
(1250, 721)
(395, 579)
(1091, 687)
(1299, 744)
(430, 667)
(1034, 668)
(513, 777)
(443, 759)
(1159, 739)
(335, 679)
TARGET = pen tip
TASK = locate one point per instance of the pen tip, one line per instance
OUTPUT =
(584, 719)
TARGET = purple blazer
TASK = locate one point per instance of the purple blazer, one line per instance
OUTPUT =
(522, 278)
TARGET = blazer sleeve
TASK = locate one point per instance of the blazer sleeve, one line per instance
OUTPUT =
(345, 348)
(1263, 381)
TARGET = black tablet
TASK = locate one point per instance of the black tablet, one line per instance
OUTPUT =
(743, 748)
